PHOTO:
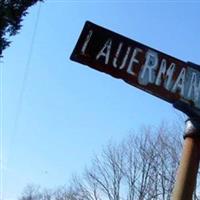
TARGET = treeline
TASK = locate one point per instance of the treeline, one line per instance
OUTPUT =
(142, 167)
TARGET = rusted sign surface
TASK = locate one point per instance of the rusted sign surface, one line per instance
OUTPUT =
(139, 65)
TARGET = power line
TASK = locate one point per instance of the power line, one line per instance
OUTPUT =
(25, 77)
(1, 130)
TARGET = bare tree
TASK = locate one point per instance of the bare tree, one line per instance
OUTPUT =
(46, 195)
(152, 164)
(142, 167)
(34, 192)
(106, 174)
(31, 192)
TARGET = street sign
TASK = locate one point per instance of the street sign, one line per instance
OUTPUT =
(139, 65)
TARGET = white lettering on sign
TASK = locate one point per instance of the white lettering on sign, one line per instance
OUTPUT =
(148, 69)
(152, 71)
(147, 74)
(133, 60)
(166, 74)
(194, 88)
(105, 51)
(115, 60)
(170, 73)
(180, 82)
(85, 44)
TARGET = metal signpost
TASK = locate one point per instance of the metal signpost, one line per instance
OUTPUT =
(157, 73)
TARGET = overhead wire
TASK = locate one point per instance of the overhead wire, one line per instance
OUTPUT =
(25, 78)
(1, 129)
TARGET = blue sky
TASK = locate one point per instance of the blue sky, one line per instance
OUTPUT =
(67, 111)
